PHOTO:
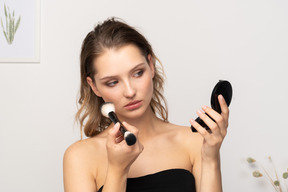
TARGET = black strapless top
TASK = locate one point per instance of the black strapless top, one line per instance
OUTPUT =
(171, 180)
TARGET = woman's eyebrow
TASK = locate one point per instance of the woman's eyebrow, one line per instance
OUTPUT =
(107, 77)
(113, 76)
(140, 64)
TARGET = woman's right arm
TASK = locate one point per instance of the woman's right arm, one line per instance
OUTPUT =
(120, 158)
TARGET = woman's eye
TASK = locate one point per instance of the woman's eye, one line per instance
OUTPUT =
(111, 83)
(139, 73)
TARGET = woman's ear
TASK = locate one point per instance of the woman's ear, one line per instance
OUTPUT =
(151, 64)
(93, 86)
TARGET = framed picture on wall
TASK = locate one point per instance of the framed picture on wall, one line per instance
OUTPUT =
(20, 31)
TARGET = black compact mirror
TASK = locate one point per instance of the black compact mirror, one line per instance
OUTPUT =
(223, 88)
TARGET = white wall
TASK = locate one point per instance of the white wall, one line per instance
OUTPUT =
(199, 42)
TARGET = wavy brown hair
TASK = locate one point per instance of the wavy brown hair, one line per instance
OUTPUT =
(112, 33)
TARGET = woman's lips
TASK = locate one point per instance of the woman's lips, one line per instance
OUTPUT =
(133, 105)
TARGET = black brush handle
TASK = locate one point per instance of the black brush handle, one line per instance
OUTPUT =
(115, 120)
(130, 138)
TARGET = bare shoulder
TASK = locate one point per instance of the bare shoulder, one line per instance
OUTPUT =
(192, 141)
(81, 160)
(185, 134)
(84, 149)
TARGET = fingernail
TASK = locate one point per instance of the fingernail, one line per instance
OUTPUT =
(204, 107)
(199, 112)
(116, 125)
(192, 121)
(221, 97)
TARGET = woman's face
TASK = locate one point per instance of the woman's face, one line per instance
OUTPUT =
(124, 78)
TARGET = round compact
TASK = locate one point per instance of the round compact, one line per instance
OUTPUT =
(223, 88)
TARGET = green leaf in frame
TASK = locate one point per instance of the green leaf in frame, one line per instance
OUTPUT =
(5, 10)
(17, 23)
(6, 37)
(2, 24)
(12, 30)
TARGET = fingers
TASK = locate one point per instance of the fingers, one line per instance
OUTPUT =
(114, 135)
(120, 154)
(224, 107)
(220, 123)
(208, 121)
(131, 128)
(200, 129)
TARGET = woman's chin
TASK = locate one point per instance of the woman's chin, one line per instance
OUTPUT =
(135, 114)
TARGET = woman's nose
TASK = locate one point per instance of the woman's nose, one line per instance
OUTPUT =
(129, 90)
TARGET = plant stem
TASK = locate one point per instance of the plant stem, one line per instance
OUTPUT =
(269, 178)
(276, 174)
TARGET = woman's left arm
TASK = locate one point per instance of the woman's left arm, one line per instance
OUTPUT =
(208, 163)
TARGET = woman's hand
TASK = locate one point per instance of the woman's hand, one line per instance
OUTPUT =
(120, 155)
(214, 138)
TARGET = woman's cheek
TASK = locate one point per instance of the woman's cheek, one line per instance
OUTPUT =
(110, 95)
(148, 86)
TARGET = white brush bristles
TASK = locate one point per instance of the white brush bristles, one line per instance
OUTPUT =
(106, 108)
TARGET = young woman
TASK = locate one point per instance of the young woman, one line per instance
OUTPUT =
(118, 65)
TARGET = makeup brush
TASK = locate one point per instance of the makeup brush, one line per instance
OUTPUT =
(108, 110)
